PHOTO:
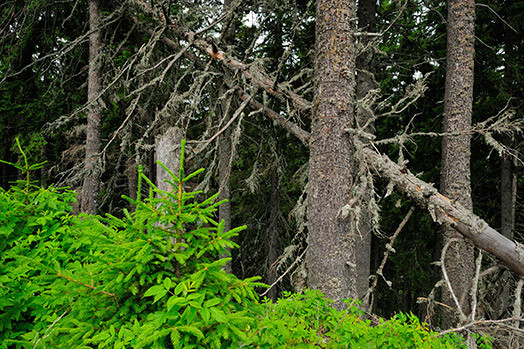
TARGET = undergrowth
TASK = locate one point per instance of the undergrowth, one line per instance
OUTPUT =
(154, 279)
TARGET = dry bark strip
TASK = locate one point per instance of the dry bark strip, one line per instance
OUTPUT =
(441, 209)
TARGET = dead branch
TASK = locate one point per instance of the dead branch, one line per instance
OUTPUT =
(299, 258)
(462, 316)
(389, 248)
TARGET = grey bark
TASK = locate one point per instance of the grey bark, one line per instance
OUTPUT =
(90, 188)
(131, 173)
(224, 174)
(508, 179)
(274, 213)
(167, 151)
(364, 84)
(330, 260)
(224, 147)
(455, 172)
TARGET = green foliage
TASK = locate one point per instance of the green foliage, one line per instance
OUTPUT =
(154, 279)
(307, 320)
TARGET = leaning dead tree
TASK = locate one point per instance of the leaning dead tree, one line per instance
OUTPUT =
(442, 210)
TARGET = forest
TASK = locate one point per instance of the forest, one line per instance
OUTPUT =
(228, 173)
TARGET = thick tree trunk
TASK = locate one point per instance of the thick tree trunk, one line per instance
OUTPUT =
(330, 260)
(91, 184)
(364, 84)
(455, 172)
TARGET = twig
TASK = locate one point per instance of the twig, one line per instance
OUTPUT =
(480, 322)
(46, 334)
(345, 314)
(287, 271)
(389, 247)
(496, 14)
(446, 278)
(235, 116)
(84, 284)
(475, 286)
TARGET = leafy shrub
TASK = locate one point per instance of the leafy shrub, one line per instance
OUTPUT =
(154, 279)
(307, 320)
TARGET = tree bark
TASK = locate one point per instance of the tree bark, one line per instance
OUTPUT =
(364, 84)
(90, 188)
(508, 176)
(274, 213)
(455, 180)
(224, 144)
(167, 151)
(331, 260)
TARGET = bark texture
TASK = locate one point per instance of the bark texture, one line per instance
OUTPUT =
(224, 144)
(274, 214)
(330, 259)
(455, 180)
(167, 147)
(364, 84)
(91, 184)
(508, 177)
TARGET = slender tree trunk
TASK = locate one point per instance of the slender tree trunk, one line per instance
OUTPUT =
(224, 147)
(331, 260)
(455, 175)
(91, 184)
(508, 177)
(364, 83)
(274, 212)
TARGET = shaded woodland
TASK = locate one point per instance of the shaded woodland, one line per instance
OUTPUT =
(372, 149)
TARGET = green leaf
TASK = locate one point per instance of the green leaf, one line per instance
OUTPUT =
(179, 288)
(174, 300)
(155, 290)
(167, 283)
(175, 337)
(193, 330)
(218, 315)
(211, 302)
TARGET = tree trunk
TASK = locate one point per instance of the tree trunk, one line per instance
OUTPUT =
(274, 213)
(91, 184)
(455, 172)
(167, 147)
(131, 173)
(331, 260)
(224, 147)
(364, 84)
(508, 177)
